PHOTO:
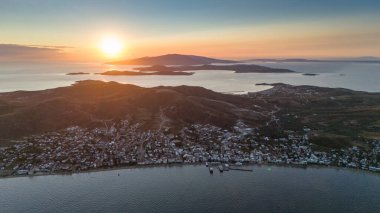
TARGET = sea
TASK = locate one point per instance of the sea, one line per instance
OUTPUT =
(37, 76)
(192, 188)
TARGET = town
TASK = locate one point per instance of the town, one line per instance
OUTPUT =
(125, 144)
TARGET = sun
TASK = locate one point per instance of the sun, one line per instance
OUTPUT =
(112, 47)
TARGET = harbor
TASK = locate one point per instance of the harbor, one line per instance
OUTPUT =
(227, 167)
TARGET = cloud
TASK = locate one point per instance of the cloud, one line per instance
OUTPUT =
(31, 52)
(50, 47)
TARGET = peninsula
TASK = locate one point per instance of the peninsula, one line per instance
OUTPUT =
(95, 124)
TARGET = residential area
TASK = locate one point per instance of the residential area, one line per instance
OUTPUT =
(125, 144)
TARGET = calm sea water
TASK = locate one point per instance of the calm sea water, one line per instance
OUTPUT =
(36, 76)
(193, 189)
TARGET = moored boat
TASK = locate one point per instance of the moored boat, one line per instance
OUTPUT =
(226, 167)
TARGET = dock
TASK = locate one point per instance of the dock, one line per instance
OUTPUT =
(226, 167)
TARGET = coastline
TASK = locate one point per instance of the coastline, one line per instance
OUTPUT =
(126, 167)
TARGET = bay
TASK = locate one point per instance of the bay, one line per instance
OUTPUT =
(37, 76)
(192, 188)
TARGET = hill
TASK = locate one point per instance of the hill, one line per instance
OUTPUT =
(94, 103)
(171, 59)
(337, 117)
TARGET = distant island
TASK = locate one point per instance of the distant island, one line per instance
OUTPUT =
(310, 74)
(238, 68)
(132, 73)
(172, 59)
(182, 70)
(354, 60)
(186, 60)
(78, 73)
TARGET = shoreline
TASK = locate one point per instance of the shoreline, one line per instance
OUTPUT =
(125, 167)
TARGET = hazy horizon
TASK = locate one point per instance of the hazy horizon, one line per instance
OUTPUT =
(222, 29)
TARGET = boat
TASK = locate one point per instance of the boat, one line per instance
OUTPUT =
(226, 167)
(374, 169)
(220, 168)
(211, 170)
(206, 164)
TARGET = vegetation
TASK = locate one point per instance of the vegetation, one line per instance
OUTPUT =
(336, 117)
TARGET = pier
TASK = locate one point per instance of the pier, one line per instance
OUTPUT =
(227, 167)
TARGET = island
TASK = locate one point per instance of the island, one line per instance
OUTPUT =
(133, 73)
(184, 70)
(171, 59)
(78, 73)
(369, 59)
(238, 68)
(176, 64)
(310, 74)
(97, 125)
(183, 60)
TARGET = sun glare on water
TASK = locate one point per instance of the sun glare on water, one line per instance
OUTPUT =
(112, 47)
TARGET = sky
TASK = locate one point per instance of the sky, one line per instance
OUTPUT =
(234, 29)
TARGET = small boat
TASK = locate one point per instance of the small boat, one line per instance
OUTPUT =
(206, 164)
(220, 168)
(226, 167)
(211, 170)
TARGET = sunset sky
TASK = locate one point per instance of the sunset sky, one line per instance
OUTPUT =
(238, 29)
